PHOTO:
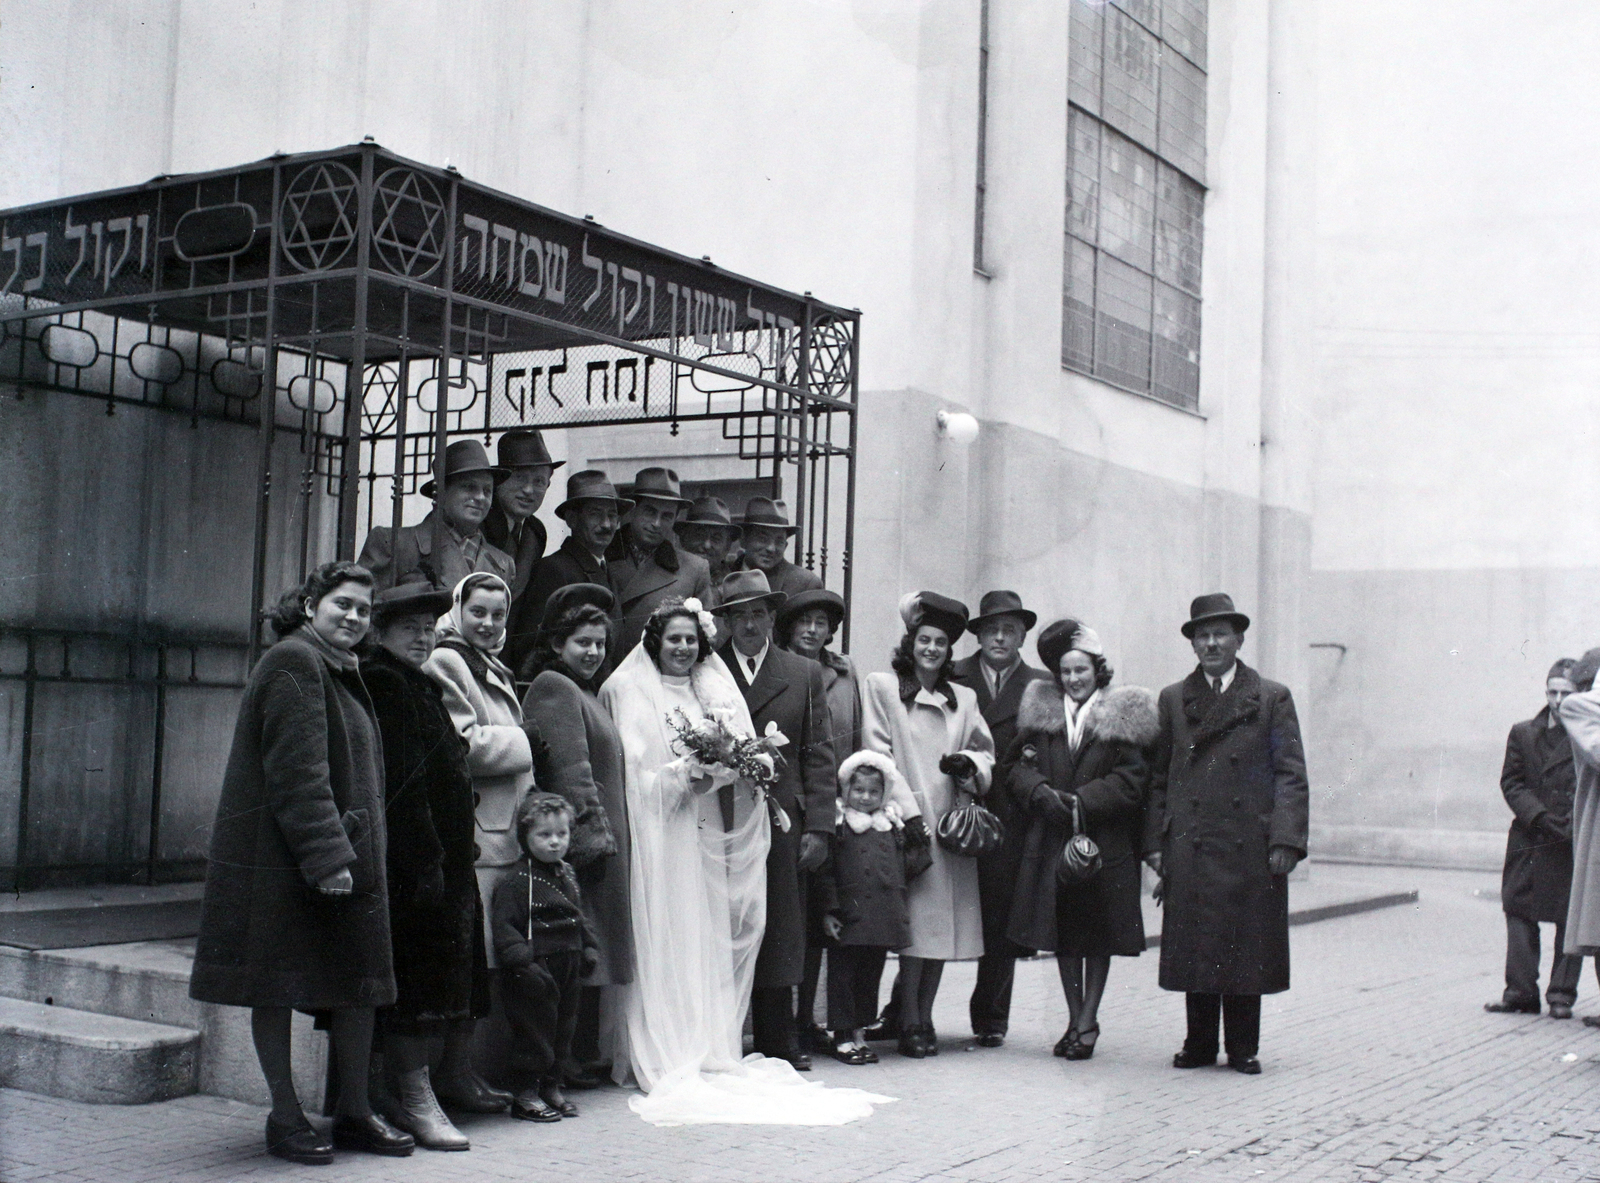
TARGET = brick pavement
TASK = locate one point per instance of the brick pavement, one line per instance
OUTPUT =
(1380, 1064)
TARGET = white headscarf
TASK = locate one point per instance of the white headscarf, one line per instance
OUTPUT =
(453, 624)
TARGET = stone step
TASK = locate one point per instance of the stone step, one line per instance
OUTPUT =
(103, 1059)
(149, 982)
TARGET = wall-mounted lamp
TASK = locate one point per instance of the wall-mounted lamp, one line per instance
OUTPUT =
(958, 427)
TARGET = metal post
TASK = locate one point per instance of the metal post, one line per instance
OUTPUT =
(158, 755)
(268, 394)
(355, 376)
(441, 426)
(845, 559)
(25, 778)
(802, 520)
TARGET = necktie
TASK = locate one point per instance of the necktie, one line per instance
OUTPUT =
(1216, 684)
(750, 663)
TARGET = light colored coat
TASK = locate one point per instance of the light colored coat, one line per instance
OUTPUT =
(946, 921)
(1580, 714)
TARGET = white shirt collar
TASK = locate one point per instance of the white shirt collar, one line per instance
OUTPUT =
(1227, 678)
(998, 678)
(751, 666)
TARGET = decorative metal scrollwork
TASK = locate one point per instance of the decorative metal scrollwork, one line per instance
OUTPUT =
(319, 215)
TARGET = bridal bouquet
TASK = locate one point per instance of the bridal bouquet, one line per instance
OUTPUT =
(714, 747)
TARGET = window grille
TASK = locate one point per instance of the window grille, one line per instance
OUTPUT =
(1136, 89)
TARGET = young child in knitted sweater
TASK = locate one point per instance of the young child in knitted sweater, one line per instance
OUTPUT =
(544, 947)
(875, 856)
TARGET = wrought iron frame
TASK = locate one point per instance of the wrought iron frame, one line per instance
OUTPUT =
(346, 285)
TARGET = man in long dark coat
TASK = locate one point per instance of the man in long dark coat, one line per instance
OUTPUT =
(1225, 825)
(766, 531)
(998, 675)
(513, 523)
(787, 689)
(593, 512)
(646, 561)
(1538, 781)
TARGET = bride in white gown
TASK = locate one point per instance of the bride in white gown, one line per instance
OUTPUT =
(699, 847)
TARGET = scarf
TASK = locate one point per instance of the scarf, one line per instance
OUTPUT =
(1077, 718)
(453, 627)
(886, 818)
(339, 659)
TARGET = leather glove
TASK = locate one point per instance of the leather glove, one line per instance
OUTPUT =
(1052, 806)
(813, 851)
(591, 958)
(1281, 860)
(1553, 827)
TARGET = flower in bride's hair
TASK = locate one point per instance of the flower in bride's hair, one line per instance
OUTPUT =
(693, 604)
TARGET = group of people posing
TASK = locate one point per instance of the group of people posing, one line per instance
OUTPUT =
(1551, 781)
(485, 804)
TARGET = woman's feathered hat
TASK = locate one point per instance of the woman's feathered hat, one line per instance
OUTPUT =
(1063, 636)
(943, 613)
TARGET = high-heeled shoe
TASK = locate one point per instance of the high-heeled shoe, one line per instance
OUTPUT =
(1064, 1044)
(911, 1043)
(1081, 1048)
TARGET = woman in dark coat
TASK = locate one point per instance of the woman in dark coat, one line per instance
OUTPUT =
(583, 763)
(435, 917)
(1080, 747)
(296, 912)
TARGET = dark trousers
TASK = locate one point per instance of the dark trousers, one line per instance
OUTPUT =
(1522, 965)
(990, 1005)
(854, 974)
(1241, 1017)
(541, 1004)
(772, 1021)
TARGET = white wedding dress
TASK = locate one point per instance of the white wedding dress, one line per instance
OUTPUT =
(699, 890)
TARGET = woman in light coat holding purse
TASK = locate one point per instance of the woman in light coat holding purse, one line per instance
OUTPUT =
(934, 732)
(1080, 752)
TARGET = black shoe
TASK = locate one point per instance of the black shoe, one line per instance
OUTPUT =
(911, 1043)
(857, 1054)
(1512, 1008)
(1560, 1010)
(1193, 1059)
(1082, 1049)
(885, 1028)
(990, 1039)
(930, 1039)
(581, 1078)
(373, 1135)
(814, 1038)
(298, 1143)
(528, 1105)
(1248, 1065)
(1591, 1020)
(1063, 1046)
(470, 1093)
(550, 1094)
(798, 1060)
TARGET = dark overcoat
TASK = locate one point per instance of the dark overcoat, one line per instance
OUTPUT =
(568, 563)
(525, 550)
(789, 578)
(394, 555)
(662, 574)
(1228, 783)
(584, 764)
(1538, 778)
(789, 691)
(997, 870)
(1109, 773)
(441, 973)
(302, 799)
(863, 883)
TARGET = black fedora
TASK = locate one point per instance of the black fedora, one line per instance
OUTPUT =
(764, 511)
(1002, 603)
(709, 511)
(817, 597)
(573, 594)
(658, 484)
(523, 447)
(1213, 606)
(462, 457)
(406, 599)
(591, 485)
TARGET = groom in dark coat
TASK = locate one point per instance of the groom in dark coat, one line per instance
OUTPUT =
(1225, 824)
(786, 689)
(998, 675)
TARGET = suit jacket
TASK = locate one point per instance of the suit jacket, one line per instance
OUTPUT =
(1538, 779)
(789, 691)
(391, 555)
(788, 578)
(529, 548)
(1227, 783)
(664, 573)
(570, 563)
(998, 870)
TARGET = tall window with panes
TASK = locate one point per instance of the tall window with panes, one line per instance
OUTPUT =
(1136, 156)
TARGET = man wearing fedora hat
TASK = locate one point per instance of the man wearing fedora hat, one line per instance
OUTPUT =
(513, 523)
(593, 513)
(707, 529)
(998, 675)
(646, 561)
(785, 689)
(447, 548)
(1225, 824)
(766, 529)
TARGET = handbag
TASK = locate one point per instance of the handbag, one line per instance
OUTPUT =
(1080, 858)
(970, 830)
